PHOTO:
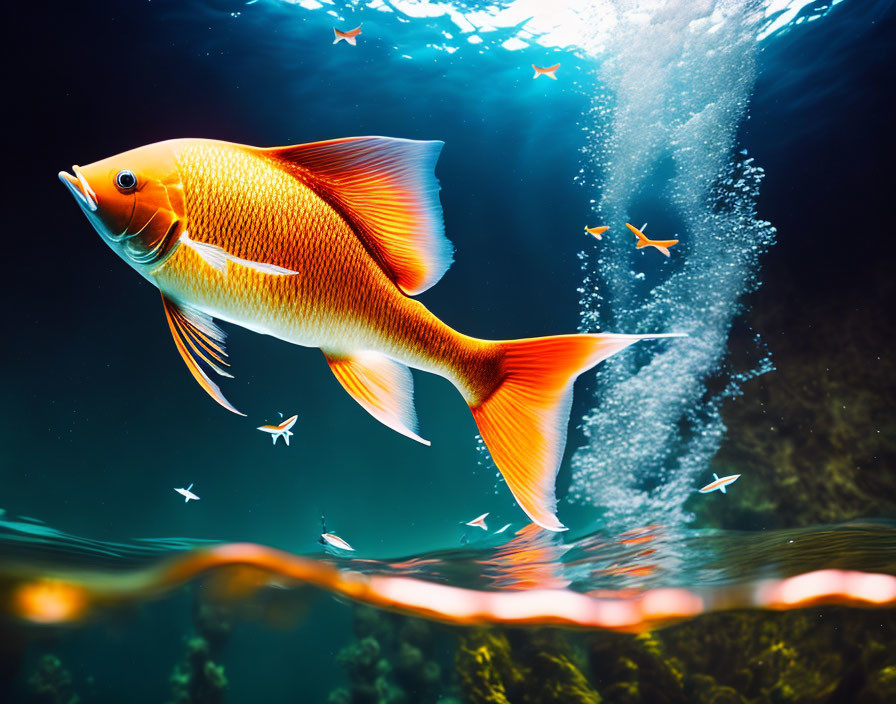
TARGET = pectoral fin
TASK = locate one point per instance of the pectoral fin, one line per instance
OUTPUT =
(200, 342)
(211, 254)
(382, 386)
(217, 258)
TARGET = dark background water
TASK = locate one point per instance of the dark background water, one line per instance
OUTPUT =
(100, 419)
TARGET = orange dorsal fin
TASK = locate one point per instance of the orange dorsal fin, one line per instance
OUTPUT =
(387, 189)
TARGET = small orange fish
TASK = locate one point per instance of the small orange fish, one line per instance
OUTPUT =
(549, 71)
(644, 241)
(324, 245)
(348, 36)
(598, 231)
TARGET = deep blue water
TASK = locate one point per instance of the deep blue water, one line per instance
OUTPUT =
(101, 420)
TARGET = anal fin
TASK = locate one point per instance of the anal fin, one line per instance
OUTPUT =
(199, 342)
(382, 386)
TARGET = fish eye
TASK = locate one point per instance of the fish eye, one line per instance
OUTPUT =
(126, 180)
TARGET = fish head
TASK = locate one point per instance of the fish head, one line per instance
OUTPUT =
(134, 200)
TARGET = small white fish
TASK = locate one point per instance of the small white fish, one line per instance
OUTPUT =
(479, 522)
(719, 484)
(502, 529)
(187, 494)
(281, 430)
(335, 541)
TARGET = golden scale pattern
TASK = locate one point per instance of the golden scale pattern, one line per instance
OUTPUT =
(248, 204)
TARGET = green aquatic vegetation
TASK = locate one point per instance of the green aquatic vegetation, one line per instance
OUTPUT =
(815, 439)
(485, 669)
(200, 677)
(634, 669)
(748, 657)
(537, 669)
(393, 660)
(52, 683)
(817, 655)
(880, 687)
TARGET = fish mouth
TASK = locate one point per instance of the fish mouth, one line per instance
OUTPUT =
(80, 189)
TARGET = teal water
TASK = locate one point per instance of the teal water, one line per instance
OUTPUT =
(757, 132)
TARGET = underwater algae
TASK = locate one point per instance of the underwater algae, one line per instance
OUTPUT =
(732, 658)
(817, 432)
(392, 659)
(198, 678)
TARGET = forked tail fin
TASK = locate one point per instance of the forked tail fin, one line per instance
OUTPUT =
(523, 422)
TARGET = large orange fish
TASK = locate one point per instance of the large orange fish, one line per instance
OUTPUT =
(324, 245)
